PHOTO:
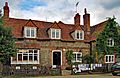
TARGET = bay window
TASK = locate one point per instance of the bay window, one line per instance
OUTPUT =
(27, 56)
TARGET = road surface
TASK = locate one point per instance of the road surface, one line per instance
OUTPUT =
(80, 76)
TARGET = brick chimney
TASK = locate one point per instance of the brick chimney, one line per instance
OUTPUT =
(86, 19)
(77, 19)
(6, 10)
(86, 23)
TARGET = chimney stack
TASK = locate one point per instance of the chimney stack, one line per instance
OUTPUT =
(86, 23)
(77, 19)
(86, 19)
(6, 10)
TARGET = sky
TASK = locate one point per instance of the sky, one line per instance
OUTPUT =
(63, 10)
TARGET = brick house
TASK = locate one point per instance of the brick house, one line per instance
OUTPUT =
(45, 43)
(95, 31)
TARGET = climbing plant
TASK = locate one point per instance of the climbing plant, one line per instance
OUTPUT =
(110, 31)
(69, 56)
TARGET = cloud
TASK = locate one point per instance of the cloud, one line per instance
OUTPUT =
(63, 10)
(109, 4)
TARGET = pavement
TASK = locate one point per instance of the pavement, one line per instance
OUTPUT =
(109, 75)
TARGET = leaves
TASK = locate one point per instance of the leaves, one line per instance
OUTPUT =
(7, 43)
(69, 56)
(110, 31)
(88, 59)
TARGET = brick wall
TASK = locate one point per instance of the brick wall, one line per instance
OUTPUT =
(46, 48)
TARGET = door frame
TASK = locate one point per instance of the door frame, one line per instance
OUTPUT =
(56, 51)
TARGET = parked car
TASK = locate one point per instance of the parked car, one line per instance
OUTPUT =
(115, 68)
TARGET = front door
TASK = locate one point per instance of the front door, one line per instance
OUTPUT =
(57, 58)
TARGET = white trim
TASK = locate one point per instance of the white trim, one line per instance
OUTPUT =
(109, 42)
(56, 51)
(76, 57)
(112, 60)
(59, 30)
(79, 31)
(26, 61)
(30, 28)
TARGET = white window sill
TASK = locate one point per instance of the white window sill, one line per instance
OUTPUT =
(109, 62)
(24, 62)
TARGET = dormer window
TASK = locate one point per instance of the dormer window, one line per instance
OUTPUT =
(79, 35)
(55, 33)
(30, 32)
(110, 42)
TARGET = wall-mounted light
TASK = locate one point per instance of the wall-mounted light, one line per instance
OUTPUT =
(64, 49)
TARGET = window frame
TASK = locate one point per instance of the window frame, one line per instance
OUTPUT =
(78, 35)
(109, 43)
(76, 59)
(27, 53)
(109, 58)
(30, 29)
(55, 33)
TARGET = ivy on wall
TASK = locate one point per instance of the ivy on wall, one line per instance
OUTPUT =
(110, 31)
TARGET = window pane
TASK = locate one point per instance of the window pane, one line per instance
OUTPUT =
(30, 57)
(28, 32)
(19, 57)
(32, 32)
(112, 58)
(30, 51)
(81, 35)
(25, 56)
(53, 33)
(77, 35)
(35, 51)
(57, 33)
(109, 58)
(35, 58)
(79, 57)
(106, 58)
(110, 42)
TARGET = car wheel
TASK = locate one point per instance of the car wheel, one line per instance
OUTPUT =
(114, 74)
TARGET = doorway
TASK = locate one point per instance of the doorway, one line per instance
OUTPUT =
(57, 58)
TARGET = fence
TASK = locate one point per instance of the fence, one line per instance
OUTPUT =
(26, 71)
(91, 67)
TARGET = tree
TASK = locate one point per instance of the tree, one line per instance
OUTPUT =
(7, 44)
(110, 31)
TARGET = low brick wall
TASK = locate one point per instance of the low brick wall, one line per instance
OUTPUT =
(27, 70)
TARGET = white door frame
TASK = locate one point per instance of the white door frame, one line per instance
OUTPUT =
(56, 51)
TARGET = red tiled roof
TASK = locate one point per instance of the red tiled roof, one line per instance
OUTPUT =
(42, 27)
(97, 29)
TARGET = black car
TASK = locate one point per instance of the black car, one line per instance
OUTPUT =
(115, 68)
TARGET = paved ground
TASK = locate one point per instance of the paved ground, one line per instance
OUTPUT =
(81, 76)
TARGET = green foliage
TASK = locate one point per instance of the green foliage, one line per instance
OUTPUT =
(69, 56)
(88, 59)
(110, 31)
(7, 44)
